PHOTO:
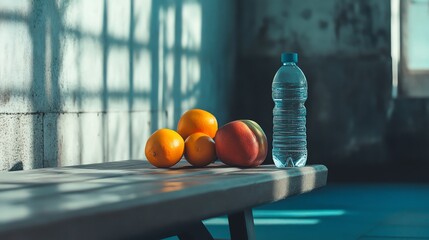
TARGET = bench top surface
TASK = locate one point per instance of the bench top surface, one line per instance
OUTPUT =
(130, 198)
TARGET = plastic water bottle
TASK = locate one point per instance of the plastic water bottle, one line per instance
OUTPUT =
(289, 132)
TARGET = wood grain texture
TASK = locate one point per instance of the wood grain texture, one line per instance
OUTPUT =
(131, 198)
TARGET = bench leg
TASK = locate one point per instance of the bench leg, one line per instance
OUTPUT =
(241, 225)
(196, 231)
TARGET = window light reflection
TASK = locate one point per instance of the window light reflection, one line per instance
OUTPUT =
(284, 217)
(267, 221)
(298, 213)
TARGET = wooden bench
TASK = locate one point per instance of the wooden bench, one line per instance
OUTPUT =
(133, 200)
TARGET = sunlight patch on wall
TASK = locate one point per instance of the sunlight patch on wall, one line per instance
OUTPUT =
(16, 55)
(166, 49)
(67, 137)
(118, 78)
(119, 140)
(77, 137)
(142, 71)
(140, 123)
(118, 13)
(15, 66)
(168, 91)
(83, 58)
(89, 63)
(86, 46)
(142, 78)
(91, 141)
(190, 60)
(191, 28)
(19, 6)
(84, 16)
(169, 15)
(161, 66)
(191, 72)
(142, 14)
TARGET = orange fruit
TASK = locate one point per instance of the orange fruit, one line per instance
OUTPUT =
(197, 120)
(164, 148)
(200, 149)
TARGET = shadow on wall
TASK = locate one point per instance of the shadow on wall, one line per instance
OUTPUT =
(96, 78)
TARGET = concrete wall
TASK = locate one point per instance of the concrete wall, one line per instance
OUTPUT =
(344, 48)
(342, 28)
(88, 81)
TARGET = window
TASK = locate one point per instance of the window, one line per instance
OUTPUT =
(410, 47)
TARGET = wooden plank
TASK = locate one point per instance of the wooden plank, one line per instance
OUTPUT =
(31, 178)
(128, 210)
(128, 164)
(59, 173)
(27, 193)
(8, 186)
(63, 184)
(110, 185)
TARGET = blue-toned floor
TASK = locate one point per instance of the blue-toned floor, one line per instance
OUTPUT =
(343, 211)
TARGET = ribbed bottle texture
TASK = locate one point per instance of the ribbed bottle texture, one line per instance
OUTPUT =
(289, 92)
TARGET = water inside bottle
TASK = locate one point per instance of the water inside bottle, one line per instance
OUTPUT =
(289, 132)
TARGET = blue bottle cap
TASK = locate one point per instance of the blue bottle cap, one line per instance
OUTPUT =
(289, 57)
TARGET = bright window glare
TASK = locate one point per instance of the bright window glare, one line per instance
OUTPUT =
(267, 221)
(418, 35)
(298, 213)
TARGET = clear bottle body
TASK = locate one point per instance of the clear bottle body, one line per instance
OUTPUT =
(289, 92)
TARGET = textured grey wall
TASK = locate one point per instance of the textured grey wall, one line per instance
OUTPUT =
(344, 48)
(88, 81)
(315, 28)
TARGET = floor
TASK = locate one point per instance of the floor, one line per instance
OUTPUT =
(343, 211)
